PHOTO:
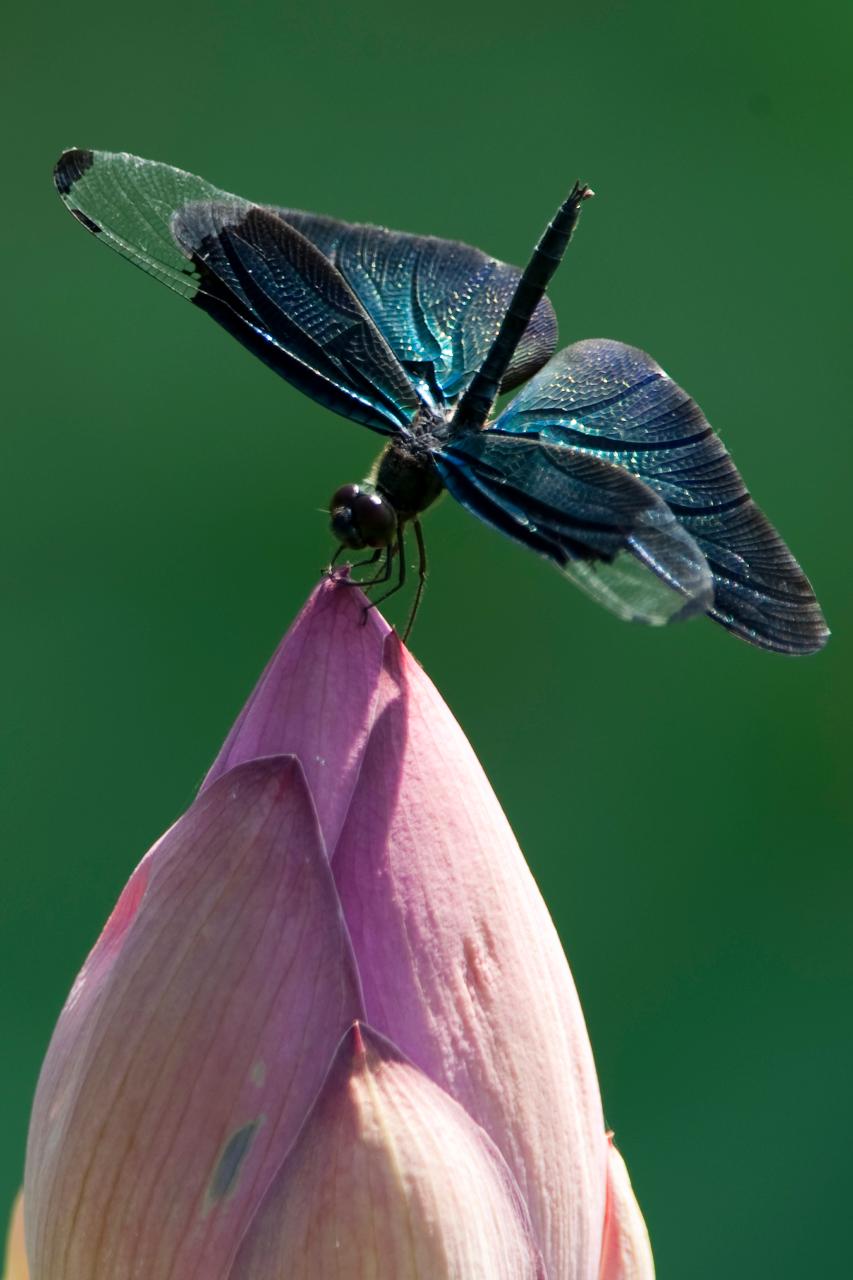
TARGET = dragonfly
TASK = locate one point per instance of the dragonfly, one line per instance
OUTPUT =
(601, 463)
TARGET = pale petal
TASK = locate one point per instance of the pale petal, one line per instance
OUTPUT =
(316, 700)
(461, 965)
(193, 1042)
(626, 1253)
(389, 1180)
(16, 1258)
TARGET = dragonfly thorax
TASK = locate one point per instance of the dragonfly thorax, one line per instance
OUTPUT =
(401, 485)
(407, 477)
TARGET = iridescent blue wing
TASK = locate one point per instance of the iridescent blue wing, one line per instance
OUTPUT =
(438, 303)
(615, 403)
(261, 279)
(604, 528)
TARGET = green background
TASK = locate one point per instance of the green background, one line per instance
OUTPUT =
(683, 799)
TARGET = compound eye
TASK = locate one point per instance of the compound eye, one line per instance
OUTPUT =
(375, 519)
(342, 519)
(345, 496)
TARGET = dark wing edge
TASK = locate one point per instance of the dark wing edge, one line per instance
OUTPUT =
(614, 402)
(606, 530)
(258, 277)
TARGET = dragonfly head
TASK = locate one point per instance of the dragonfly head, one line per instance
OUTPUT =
(361, 517)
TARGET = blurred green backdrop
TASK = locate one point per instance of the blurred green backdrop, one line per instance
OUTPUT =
(684, 800)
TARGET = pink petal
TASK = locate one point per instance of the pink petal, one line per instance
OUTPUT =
(461, 965)
(193, 1042)
(316, 700)
(389, 1180)
(16, 1259)
(626, 1253)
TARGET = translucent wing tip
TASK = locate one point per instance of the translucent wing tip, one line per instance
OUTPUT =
(70, 167)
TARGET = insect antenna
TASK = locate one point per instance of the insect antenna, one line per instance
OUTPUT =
(476, 403)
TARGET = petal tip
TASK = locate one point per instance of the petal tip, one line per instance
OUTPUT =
(626, 1251)
(16, 1267)
(356, 1043)
(340, 592)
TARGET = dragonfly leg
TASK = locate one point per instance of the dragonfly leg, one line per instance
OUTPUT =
(382, 576)
(422, 573)
(399, 547)
(327, 572)
(378, 580)
(384, 573)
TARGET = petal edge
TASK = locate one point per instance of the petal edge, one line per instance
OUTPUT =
(389, 1180)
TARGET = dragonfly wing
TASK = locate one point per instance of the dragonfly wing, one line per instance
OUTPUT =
(616, 403)
(257, 276)
(604, 528)
(438, 303)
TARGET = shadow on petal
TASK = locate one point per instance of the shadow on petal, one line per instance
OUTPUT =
(461, 965)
